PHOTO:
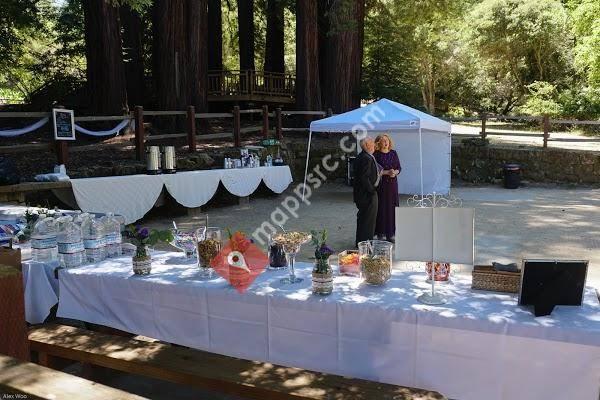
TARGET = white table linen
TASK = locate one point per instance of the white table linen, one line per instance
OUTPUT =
(131, 196)
(134, 195)
(41, 290)
(479, 345)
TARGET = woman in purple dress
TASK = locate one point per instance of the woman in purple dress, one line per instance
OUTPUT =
(387, 191)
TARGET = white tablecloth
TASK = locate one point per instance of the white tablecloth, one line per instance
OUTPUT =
(480, 345)
(41, 290)
(134, 195)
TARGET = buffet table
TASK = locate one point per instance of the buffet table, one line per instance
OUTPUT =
(134, 195)
(479, 345)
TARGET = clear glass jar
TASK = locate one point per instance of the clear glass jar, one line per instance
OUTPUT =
(185, 241)
(375, 261)
(277, 259)
(322, 277)
(209, 241)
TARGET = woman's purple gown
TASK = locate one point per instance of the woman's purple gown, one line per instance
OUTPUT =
(387, 192)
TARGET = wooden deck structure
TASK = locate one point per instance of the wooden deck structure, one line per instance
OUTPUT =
(251, 86)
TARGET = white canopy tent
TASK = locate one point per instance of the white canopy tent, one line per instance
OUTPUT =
(423, 142)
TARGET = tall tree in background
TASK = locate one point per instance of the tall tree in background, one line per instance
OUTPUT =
(215, 35)
(105, 68)
(133, 49)
(518, 42)
(180, 53)
(308, 90)
(586, 26)
(274, 49)
(343, 54)
(246, 33)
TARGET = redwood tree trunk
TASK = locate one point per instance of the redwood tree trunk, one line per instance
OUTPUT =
(215, 35)
(105, 68)
(343, 54)
(308, 90)
(274, 47)
(180, 53)
(197, 54)
(246, 33)
(133, 34)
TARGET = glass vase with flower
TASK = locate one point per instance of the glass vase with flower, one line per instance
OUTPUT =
(322, 274)
(143, 238)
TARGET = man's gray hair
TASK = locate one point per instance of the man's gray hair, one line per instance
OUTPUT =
(363, 141)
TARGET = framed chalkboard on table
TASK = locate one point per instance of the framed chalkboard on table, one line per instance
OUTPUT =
(64, 124)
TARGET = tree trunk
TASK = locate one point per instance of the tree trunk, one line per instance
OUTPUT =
(215, 36)
(246, 33)
(308, 90)
(133, 34)
(274, 47)
(197, 54)
(343, 54)
(180, 53)
(323, 29)
(105, 68)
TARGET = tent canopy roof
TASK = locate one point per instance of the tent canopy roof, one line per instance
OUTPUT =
(380, 115)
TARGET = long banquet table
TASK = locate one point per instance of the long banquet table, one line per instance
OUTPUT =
(132, 196)
(480, 345)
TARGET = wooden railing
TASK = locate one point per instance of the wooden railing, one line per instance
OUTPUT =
(248, 83)
(140, 138)
(544, 121)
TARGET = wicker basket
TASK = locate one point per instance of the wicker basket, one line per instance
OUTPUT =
(486, 278)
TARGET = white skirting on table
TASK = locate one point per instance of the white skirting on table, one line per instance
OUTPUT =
(480, 345)
(132, 196)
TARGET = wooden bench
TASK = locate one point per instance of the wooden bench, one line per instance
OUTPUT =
(25, 380)
(249, 379)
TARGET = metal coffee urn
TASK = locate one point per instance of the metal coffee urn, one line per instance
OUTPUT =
(153, 160)
(168, 160)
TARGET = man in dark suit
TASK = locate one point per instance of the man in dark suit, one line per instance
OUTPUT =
(366, 179)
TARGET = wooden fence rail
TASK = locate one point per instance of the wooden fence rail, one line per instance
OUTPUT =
(545, 127)
(138, 115)
(140, 137)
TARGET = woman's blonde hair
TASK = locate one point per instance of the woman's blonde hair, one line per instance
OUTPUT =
(378, 141)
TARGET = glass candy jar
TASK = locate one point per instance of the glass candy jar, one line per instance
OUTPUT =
(291, 243)
(277, 259)
(375, 261)
(209, 241)
(186, 242)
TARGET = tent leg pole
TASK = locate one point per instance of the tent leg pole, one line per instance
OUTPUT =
(421, 162)
(306, 166)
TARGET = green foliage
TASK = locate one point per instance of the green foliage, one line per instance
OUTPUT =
(517, 42)
(456, 57)
(49, 50)
(145, 237)
(580, 102)
(386, 70)
(542, 99)
(586, 27)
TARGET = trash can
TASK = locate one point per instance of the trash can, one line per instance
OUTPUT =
(512, 176)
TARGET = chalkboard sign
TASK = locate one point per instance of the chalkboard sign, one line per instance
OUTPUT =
(64, 124)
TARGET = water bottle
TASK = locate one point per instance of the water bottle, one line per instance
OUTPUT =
(93, 239)
(112, 235)
(269, 160)
(43, 240)
(71, 252)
